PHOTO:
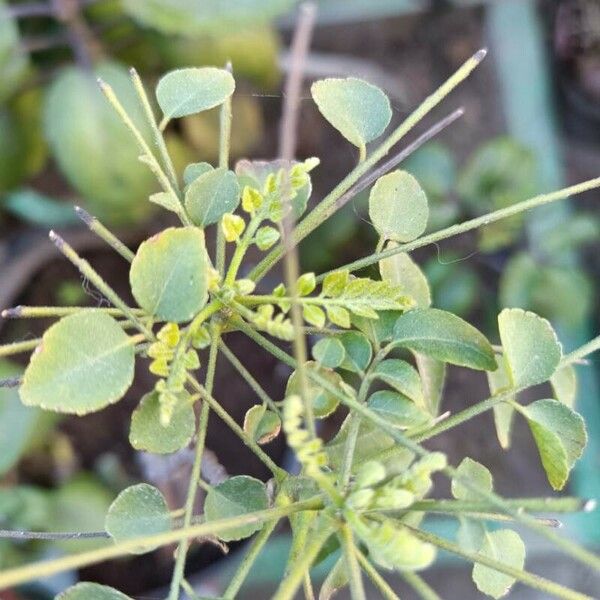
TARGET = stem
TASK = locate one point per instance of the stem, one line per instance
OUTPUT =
(43, 312)
(581, 352)
(159, 140)
(420, 586)
(196, 470)
(248, 378)
(18, 347)
(102, 232)
(357, 589)
(290, 584)
(314, 219)
(453, 230)
(534, 581)
(249, 559)
(9, 534)
(373, 574)
(42, 569)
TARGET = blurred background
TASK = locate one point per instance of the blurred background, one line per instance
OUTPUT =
(531, 125)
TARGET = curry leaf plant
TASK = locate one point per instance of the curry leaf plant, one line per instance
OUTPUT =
(380, 352)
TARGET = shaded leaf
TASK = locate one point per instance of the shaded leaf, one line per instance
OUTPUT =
(168, 274)
(398, 410)
(398, 207)
(564, 385)
(336, 579)
(91, 591)
(358, 351)
(323, 401)
(477, 474)
(137, 511)
(531, 347)
(358, 110)
(84, 363)
(262, 425)
(433, 376)
(194, 170)
(402, 271)
(329, 352)
(445, 337)
(149, 435)
(402, 377)
(234, 497)
(499, 381)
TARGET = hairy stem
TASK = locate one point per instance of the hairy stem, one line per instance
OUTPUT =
(357, 589)
(420, 586)
(373, 574)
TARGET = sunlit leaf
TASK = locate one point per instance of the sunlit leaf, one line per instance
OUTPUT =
(564, 385)
(84, 363)
(234, 497)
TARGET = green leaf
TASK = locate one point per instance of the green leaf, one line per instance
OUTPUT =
(329, 352)
(336, 579)
(14, 62)
(148, 435)
(189, 91)
(338, 316)
(433, 376)
(499, 381)
(194, 170)
(378, 330)
(313, 315)
(262, 425)
(506, 547)
(398, 207)
(401, 376)
(477, 474)
(335, 283)
(564, 385)
(306, 284)
(531, 347)
(402, 271)
(168, 274)
(358, 351)
(266, 237)
(358, 110)
(398, 410)
(39, 209)
(84, 363)
(560, 435)
(91, 591)
(94, 149)
(323, 402)
(470, 534)
(445, 337)
(234, 497)
(210, 195)
(137, 511)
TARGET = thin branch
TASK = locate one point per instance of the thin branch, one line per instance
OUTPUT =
(19, 347)
(10, 534)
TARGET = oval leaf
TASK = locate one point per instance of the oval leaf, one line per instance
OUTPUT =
(188, 91)
(401, 376)
(402, 271)
(324, 402)
(237, 496)
(358, 110)
(84, 363)
(499, 381)
(137, 511)
(329, 352)
(262, 425)
(564, 385)
(530, 345)
(398, 410)
(358, 351)
(211, 195)
(446, 337)
(560, 436)
(477, 474)
(398, 207)
(433, 376)
(507, 547)
(168, 274)
(147, 433)
(91, 591)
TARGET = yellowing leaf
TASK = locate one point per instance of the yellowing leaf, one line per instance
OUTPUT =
(261, 425)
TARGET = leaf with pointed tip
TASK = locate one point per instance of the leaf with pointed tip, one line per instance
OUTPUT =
(91, 591)
(560, 436)
(169, 274)
(505, 546)
(531, 347)
(138, 511)
(149, 435)
(401, 270)
(84, 363)
(189, 91)
(358, 110)
(445, 337)
(398, 410)
(236, 496)
(329, 352)
(401, 376)
(210, 195)
(398, 207)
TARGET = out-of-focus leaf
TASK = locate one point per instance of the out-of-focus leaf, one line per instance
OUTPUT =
(564, 385)
(324, 402)
(14, 62)
(92, 591)
(38, 209)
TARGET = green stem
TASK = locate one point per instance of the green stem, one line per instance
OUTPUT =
(19, 347)
(373, 574)
(581, 352)
(420, 586)
(47, 568)
(88, 271)
(563, 504)
(159, 140)
(314, 219)
(43, 312)
(453, 230)
(290, 584)
(249, 559)
(224, 146)
(196, 470)
(357, 589)
(533, 581)
(248, 378)
(189, 590)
